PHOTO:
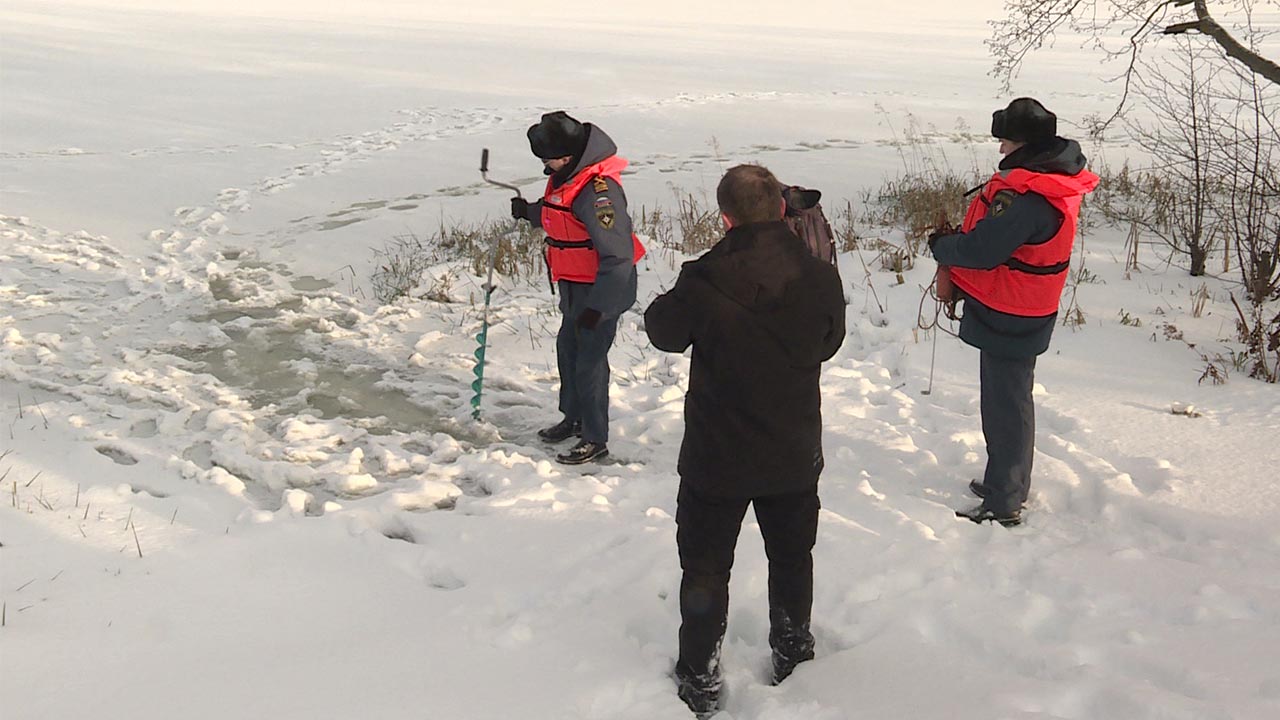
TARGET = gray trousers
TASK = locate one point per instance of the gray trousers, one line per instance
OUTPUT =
(1009, 426)
(583, 358)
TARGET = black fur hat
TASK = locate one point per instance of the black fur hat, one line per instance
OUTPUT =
(557, 135)
(1025, 120)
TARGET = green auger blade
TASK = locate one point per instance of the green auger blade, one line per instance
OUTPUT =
(477, 385)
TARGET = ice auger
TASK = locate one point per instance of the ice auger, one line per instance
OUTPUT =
(482, 338)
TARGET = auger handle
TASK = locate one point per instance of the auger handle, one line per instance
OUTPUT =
(484, 173)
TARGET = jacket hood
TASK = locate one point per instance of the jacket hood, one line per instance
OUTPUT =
(1057, 156)
(1057, 170)
(761, 267)
(599, 147)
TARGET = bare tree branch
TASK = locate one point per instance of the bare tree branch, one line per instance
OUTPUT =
(1135, 46)
(1206, 25)
(1029, 25)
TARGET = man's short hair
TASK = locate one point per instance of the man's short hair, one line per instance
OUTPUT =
(749, 194)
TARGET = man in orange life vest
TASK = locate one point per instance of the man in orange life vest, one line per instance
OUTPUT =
(591, 257)
(1009, 265)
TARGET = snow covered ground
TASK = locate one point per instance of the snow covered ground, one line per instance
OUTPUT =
(235, 487)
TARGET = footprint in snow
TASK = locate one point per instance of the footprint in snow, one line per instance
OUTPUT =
(142, 429)
(119, 456)
(442, 578)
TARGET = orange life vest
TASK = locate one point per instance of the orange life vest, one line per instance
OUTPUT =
(1030, 283)
(570, 254)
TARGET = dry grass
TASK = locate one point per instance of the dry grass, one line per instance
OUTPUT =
(930, 190)
(692, 228)
(404, 261)
(918, 203)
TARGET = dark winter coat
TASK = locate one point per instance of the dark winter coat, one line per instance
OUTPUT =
(1028, 219)
(762, 314)
(614, 290)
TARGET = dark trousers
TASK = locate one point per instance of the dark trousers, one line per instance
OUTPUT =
(583, 358)
(707, 532)
(1009, 426)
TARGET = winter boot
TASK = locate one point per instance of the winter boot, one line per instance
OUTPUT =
(982, 513)
(562, 430)
(584, 452)
(700, 692)
(979, 489)
(789, 651)
(784, 664)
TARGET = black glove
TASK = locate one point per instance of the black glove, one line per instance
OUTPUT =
(940, 232)
(589, 319)
(519, 208)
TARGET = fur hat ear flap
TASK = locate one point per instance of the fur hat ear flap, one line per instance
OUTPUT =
(1024, 120)
(557, 135)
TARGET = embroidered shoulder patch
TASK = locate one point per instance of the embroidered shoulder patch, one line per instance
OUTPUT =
(603, 201)
(1001, 202)
(605, 216)
(599, 184)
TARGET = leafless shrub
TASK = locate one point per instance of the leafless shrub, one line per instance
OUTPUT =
(1180, 133)
(1215, 370)
(441, 288)
(1259, 332)
(403, 263)
(1129, 320)
(845, 228)
(1131, 248)
(915, 203)
(400, 266)
(1212, 130)
(692, 228)
(699, 224)
(1074, 316)
(656, 225)
(1085, 276)
(1169, 207)
(894, 259)
(1199, 297)
(928, 192)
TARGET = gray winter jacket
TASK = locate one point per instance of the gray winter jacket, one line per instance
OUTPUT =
(614, 290)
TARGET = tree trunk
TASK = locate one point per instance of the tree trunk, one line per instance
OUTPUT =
(1199, 254)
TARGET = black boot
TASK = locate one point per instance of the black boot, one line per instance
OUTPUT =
(979, 489)
(700, 692)
(785, 664)
(562, 430)
(584, 452)
(982, 513)
(785, 661)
